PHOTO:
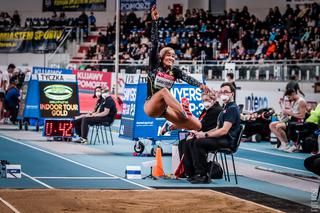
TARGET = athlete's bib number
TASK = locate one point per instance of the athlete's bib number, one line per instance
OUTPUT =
(164, 80)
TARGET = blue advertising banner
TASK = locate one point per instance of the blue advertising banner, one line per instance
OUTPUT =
(48, 70)
(129, 106)
(128, 111)
(31, 109)
(136, 124)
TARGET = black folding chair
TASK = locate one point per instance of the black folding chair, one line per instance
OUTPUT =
(103, 129)
(225, 152)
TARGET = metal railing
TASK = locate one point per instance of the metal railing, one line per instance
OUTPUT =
(309, 72)
(217, 62)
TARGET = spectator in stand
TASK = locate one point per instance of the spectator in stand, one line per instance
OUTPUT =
(16, 21)
(5, 20)
(83, 22)
(289, 11)
(61, 21)
(198, 33)
(271, 49)
(92, 21)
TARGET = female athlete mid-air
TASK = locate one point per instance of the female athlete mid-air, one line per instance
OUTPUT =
(161, 77)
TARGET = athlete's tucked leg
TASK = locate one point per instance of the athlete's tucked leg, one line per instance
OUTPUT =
(157, 104)
(182, 122)
(164, 104)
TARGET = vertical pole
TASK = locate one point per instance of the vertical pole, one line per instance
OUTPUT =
(117, 46)
(44, 59)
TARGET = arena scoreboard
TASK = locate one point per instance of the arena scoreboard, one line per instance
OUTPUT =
(58, 128)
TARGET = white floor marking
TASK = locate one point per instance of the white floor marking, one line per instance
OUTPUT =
(77, 163)
(79, 178)
(38, 181)
(270, 164)
(9, 205)
(270, 153)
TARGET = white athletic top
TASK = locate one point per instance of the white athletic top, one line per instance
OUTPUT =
(295, 106)
(4, 76)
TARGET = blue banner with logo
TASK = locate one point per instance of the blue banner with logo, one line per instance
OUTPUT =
(49, 70)
(31, 109)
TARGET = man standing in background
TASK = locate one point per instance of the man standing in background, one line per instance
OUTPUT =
(4, 84)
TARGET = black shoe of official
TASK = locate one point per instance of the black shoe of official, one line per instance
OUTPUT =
(190, 178)
(200, 179)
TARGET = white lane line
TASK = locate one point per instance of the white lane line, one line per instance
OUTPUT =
(270, 153)
(79, 178)
(9, 205)
(75, 162)
(38, 181)
(270, 164)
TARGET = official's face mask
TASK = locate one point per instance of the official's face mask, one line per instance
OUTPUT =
(224, 98)
(104, 95)
(207, 104)
(98, 94)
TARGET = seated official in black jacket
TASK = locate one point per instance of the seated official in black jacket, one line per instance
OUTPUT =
(97, 94)
(312, 163)
(223, 136)
(105, 111)
(208, 119)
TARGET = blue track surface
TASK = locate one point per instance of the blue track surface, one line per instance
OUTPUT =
(45, 168)
(37, 163)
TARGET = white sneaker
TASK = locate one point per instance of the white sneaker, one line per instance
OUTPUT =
(81, 140)
(293, 148)
(165, 128)
(84, 141)
(283, 147)
(76, 139)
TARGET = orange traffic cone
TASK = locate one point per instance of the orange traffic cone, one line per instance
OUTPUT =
(158, 169)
